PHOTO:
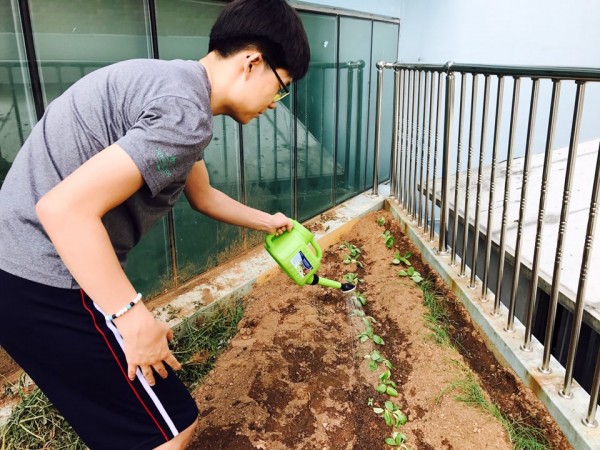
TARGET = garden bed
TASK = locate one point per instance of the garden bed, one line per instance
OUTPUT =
(296, 377)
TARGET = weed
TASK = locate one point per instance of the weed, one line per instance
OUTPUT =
(380, 221)
(522, 436)
(35, 422)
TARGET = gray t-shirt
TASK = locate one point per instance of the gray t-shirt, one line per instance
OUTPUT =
(157, 111)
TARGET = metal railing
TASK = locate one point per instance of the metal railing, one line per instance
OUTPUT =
(424, 172)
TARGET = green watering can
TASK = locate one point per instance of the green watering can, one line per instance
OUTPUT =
(299, 255)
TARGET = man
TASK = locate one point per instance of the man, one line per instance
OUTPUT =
(109, 158)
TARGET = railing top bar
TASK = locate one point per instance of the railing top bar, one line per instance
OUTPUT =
(571, 73)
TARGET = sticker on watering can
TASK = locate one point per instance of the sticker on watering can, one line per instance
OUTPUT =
(301, 264)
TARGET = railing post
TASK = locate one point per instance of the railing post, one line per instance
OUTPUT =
(449, 111)
(395, 135)
(380, 65)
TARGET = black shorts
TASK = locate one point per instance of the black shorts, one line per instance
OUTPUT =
(62, 340)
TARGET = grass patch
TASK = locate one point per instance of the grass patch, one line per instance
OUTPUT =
(36, 424)
(522, 435)
(436, 317)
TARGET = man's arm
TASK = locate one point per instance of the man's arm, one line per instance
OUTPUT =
(71, 214)
(217, 205)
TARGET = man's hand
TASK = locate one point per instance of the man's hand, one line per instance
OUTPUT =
(280, 223)
(146, 344)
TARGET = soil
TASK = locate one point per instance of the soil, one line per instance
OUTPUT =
(295, 376)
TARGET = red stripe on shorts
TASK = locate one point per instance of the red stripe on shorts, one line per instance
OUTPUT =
(121, 367)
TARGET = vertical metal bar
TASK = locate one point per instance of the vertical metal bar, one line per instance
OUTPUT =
(486, 101)
(243, 191)
(225, 146)
(429, 139)
(566, 391)
(399, 186)
(488, 241)
(463, 88)
(407, 158)
(562, 227)
(540, 222)
(473, 112)
(306, 132)
(151, 5)
(258, 149)
(417, 142)
(295, 147)
(34, 74)
(509, 157)
(395, 137)
(435, 153)
(421, 189)
(448, 116)
(590, 419)
(322, 125)
(379, 66)
(517, 260)
(349, 93)
(411, 145)
(275, 136)
(15, 100)
(359, 103)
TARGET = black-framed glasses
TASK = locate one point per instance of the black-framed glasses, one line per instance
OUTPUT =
(284, 91)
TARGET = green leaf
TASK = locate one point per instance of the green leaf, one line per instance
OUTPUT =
(401, 418)
(391, 391)
(395, 261)
(378, 340)
(403, 273)
(390, 406)
(372, 366)
(381, 388)
(387, 416)
(390, 441)
(378, 410)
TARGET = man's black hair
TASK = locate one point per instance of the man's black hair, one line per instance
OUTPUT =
(271, 26)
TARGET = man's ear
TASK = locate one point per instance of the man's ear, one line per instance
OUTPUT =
(252, 60)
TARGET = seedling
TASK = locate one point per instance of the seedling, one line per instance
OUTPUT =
(359, 300)
(402, 259)
(397, 440)
(380, 221)
(412, 274)
(369, 334)
(392, 415)
(353, 278)
(387, 386)
(389, 239)
(375, 359)
(352, 249)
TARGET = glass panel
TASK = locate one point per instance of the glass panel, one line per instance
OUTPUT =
(149, 263)
(316, 118)
(353, 107)
(183, 28)
(202, 242)
(17, 113)
(268, 163)
(385, 47)
(75, 37)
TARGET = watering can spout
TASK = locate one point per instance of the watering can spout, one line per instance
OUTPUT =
(345, 287)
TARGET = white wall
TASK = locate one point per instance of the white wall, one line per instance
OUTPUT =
(532, 32)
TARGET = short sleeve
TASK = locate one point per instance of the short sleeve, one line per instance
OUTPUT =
(168, 137)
